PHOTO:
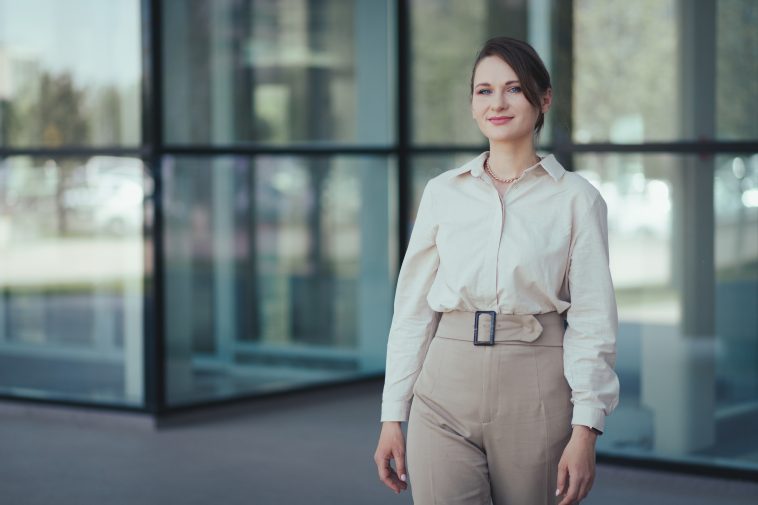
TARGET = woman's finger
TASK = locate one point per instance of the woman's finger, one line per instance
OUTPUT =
(388, 476)
(562, 477)
(399, 455)
(573, 491)
(382, 467)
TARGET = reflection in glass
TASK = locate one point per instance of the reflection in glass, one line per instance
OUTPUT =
(737, 70)
(625, 84)
(277, 271)
(663, 70)
(684, 248)
(71, 269)
(638, 192)
(736, 255)
(277, 72)
(66, 80)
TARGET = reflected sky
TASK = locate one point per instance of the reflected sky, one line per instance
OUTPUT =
(50, 32)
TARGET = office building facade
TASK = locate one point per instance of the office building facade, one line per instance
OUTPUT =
(202, 201)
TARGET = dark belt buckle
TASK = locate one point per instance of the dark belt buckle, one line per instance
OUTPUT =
(478, 313)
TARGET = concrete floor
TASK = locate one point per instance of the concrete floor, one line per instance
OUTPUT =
(308, 447)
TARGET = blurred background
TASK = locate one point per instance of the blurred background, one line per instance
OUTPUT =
(203, 200)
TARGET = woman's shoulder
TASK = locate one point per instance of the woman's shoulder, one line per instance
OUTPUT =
(580, 185)
(452, 175)
(568, 186)
(582, 191)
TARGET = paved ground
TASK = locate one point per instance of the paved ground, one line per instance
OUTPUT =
(309, 447)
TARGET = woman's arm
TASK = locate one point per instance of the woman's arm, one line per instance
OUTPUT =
(589, 350)
(414, 322)
(413, 326)
(589, 344)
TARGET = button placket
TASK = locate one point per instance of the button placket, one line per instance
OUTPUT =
(501, 220)
(497, 239)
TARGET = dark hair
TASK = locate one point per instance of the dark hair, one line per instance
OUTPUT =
(524, 60)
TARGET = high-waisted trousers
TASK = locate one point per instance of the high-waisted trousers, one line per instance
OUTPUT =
(489, 423)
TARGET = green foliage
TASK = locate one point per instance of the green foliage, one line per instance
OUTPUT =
(51, 114)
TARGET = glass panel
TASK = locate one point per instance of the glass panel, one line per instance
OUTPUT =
(625, 76)
(736, 249)
(684, 259)
(443, 54)
(665, 70)
(278, 271)
(737, 70)
(265, 71)
(70, 73)
(71, 270)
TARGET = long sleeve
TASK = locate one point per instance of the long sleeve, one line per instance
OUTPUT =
(414, 322)
(590, 339)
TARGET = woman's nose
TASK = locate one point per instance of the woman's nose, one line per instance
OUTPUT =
(499, 102)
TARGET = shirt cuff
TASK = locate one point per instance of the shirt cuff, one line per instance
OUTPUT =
(395, 411)
(589, 416)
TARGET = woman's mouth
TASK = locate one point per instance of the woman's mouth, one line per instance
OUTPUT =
(498, 120)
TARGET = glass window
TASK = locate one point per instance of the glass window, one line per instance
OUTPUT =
(273, 72)
(665, 70)
(683, 234)
(736, 255)
(278, 271)
(70, 73)
(442, 55)
(737, 70)
(626, 92)
(71, 269)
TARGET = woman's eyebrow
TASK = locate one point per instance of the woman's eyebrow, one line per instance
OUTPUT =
(488, 84)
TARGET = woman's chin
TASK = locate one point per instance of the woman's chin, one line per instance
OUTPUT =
(510, 137)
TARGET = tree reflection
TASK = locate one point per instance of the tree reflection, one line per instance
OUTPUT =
(50, 115)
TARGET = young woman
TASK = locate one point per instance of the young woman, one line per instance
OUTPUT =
(503, 400)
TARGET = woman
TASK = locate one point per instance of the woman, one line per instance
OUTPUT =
(504, 249)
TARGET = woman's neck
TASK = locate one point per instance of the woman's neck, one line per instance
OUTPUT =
(509, 160)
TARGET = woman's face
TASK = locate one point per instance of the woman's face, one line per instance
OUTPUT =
(499, 105)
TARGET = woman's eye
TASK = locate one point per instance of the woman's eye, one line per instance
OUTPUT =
(514, 90)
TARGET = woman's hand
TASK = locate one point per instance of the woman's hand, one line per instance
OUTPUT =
(577, 465)
(391, 446)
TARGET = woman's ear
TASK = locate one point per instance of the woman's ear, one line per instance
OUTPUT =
(547, 100)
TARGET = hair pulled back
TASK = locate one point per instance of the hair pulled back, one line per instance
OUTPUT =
(524, 60)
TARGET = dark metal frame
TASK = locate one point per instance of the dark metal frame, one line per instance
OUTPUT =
(152, 132)
(404, 127)
(153, 149)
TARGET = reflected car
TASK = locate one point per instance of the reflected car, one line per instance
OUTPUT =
(112, 205)
(645, 212)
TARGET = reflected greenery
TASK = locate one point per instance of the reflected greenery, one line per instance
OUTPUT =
(624, 69)
(51, 116)
(66, 81)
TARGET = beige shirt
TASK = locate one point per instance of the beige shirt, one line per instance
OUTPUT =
(543, 247)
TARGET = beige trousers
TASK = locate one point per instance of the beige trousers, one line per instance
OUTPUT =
(488, 424)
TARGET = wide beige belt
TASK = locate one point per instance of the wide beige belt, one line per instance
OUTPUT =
(540, 329)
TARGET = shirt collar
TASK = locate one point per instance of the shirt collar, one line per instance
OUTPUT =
(548, 163)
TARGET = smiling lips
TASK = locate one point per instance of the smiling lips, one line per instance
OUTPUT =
(498, 120)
